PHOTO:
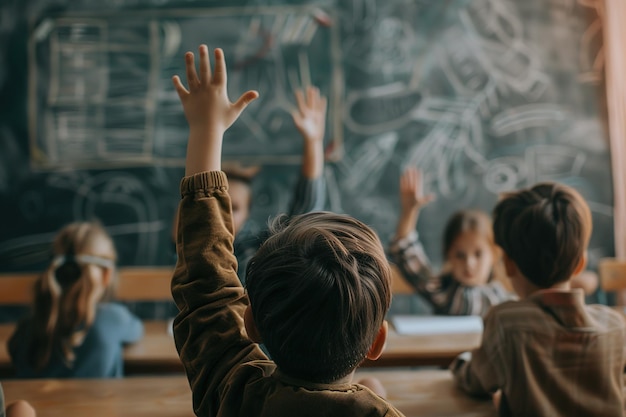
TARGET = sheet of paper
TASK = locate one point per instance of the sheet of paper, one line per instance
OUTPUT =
(426, 325)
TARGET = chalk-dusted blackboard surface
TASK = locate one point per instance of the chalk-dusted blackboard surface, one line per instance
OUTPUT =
(484, 96)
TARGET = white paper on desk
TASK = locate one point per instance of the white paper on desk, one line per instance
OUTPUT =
(426, 325)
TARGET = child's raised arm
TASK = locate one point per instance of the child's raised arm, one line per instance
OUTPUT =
(208, 110)
(310, 119)
(412, 199)
(208, 330)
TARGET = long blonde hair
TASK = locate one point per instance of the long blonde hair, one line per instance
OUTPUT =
(68, 291)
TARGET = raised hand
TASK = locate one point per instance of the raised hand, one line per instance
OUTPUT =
(310, 119)
(208, 110)
(412, 199)
(412, 190)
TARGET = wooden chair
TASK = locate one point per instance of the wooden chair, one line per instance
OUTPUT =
(612, 274)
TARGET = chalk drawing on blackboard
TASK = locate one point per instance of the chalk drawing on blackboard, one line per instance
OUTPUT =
(554, 162)
(118, 199)
(362, 15)
(505, 174)
(365, 166)
(381, 109)
(101, 95)
(526, 116)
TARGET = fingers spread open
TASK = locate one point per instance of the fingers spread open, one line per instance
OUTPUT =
(245, 99)
(323, 105)
(219, 76)
(205, 65)
(311, 96)
(192, 77)
(180, 88)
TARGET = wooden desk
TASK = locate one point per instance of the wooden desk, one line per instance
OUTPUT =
(156, 353)
(415, 393)
(145, 396)
(439, 350)
(428, 393)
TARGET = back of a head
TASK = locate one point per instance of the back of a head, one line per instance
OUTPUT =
(66, 294)
(319, 289)
(545, 230)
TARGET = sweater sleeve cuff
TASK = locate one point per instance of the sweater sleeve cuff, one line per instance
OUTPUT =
(401, 244)
(206, 182)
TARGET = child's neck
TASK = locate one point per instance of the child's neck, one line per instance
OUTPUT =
(527, 288)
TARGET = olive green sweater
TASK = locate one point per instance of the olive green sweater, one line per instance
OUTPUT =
(228, 373)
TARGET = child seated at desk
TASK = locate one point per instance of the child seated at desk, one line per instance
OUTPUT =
(547, 354)
(467, 285)
(70, 332)
(318, 288)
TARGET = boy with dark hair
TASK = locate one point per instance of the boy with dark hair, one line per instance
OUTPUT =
(548, 354)
(319, 288)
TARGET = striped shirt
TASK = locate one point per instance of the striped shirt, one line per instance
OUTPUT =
(551, 355)
(445, 293)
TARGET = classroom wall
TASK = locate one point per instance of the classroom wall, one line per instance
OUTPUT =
(484, 96)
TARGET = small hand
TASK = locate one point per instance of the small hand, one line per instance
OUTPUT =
(208, 110)
(412, 190)
(497, 398)
(310, 117)
(206, 103)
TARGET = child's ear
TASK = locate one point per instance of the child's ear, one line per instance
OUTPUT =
(582, 264)
(379, 342)
(509, 265)
(250, 325)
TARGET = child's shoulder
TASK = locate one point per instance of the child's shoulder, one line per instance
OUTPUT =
(515, 313)
(526, 313)
(515, 306)
(607, 317)
(113, 311)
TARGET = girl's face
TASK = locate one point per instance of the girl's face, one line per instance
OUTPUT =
(471, 259)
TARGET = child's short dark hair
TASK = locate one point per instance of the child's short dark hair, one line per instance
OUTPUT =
(319, 289)
(545, 230)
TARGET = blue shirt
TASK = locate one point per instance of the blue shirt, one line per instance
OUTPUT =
(2, 413)
(99, 356)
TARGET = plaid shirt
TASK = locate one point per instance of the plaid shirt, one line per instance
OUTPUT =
(551, 355)
(444, 292)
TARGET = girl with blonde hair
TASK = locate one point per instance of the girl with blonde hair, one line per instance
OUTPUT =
(72, 332)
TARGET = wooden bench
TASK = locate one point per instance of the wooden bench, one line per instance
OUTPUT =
(155, 353)
(135, 284)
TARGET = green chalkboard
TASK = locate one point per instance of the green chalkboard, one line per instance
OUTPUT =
(484, 96)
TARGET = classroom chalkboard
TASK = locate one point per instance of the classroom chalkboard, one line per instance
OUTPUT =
(484, 96)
